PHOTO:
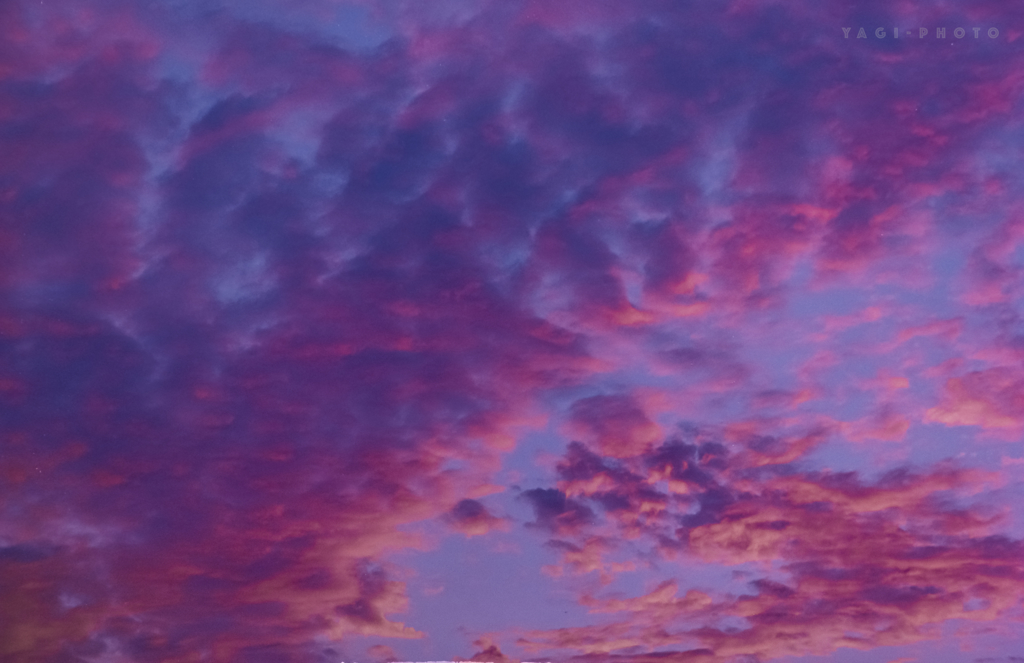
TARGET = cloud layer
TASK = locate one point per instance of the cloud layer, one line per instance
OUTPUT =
(709, 313)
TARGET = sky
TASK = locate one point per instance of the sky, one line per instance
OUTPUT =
(575, 331)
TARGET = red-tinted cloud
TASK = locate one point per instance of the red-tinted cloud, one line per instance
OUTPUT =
(993, 398)
(869, 564)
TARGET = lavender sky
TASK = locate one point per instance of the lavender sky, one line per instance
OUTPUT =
(564, 330)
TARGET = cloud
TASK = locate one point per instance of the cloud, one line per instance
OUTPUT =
(868, 563)
(488, 652)
(286, 282)
(473, 519)
(556, 512)
(382, 653)
(988, 398)
(616, 425)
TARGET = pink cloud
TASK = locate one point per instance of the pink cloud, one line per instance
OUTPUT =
(292, 288)
(991, 398)
(616, 425)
